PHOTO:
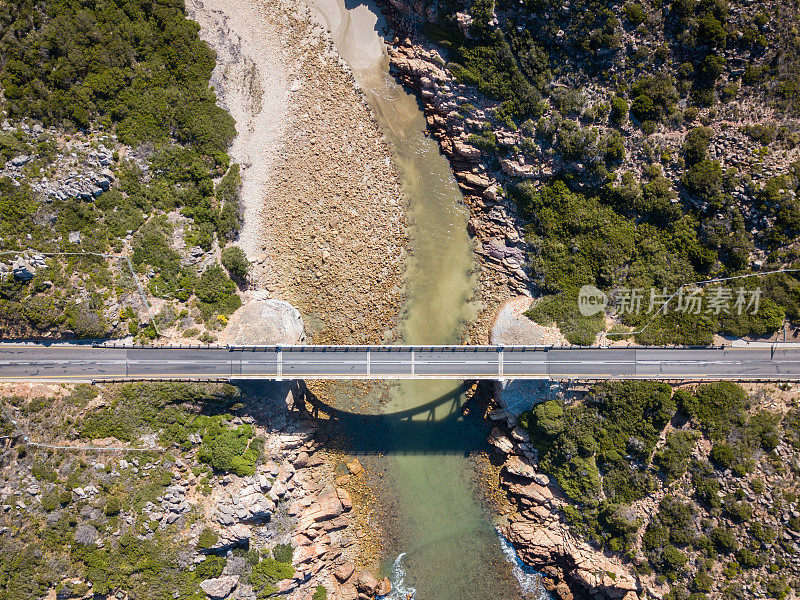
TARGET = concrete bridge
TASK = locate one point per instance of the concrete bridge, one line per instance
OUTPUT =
(57, 362)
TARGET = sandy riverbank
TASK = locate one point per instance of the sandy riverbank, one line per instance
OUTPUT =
(325, 217)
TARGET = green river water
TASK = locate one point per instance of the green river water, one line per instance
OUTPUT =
(447, 544)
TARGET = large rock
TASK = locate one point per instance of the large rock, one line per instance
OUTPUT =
(499, 440)
(384, 587)
(547, 545)
(265, 322)
(537, 494)
(344, 572)
(520, 466)
(219, 588)
(367, 583)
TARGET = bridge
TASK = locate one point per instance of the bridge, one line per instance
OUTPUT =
(85, 363)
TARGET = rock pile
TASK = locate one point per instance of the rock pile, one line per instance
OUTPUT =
(542, 538)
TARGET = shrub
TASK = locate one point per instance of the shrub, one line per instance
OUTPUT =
(235, 261)
(653, 97)
(266, 573)
(748, 559)
(229, 218)
(719, 407)
(722, 455)
(673, 559)
(230, 450)
(635, 13)
(702, 582)
(739, 510)
(51, 500)
(210, 568)
(113, 506)
(563, 311)
(283, 553)
(320, 593)
(723, 539)
(704, 178)
(619, 110)
(695, 146)
(208, 537)
(673, 458)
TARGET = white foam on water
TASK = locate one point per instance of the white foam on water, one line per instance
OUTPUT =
(530, 581)
(400, 590)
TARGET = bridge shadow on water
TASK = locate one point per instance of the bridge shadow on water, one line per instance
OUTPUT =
(448, 424)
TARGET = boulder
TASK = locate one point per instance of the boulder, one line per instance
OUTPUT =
(355, 468)
(384, 587)
(534, 492)
(500, 441)
(520, 466)
(562, 591)
(469, 152)
(344, 498)
(344, 572)
(219, 588)
(265, 322)
(367, 583)
(347, 592)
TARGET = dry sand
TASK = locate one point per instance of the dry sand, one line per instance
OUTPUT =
(251, 81)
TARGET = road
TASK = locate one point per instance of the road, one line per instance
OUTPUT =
(87, 363)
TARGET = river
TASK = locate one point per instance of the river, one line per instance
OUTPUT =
(446, 544)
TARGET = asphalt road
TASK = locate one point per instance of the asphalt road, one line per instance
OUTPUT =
(86, 363)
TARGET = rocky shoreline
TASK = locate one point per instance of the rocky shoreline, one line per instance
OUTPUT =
(571, 568)
(500, 250)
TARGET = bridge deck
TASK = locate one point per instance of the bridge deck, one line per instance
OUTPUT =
(86, 363)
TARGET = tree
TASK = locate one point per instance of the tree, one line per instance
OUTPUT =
(214, 285)
(235, 261)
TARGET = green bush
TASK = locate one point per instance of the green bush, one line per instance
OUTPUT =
(635, 13)
(320, 593)
(719, 407)
(283, 553)
(208, 537)
(695, 146)
(619, 110)
(673, 559)
(235, 261)
(723, 539)
(210, 568)
(113, 506)
(673, 458)
(722, 456)
(266, 573)
(229, 218)
(230, 450)
(82, 77)
(214, 285)
(563, 311)
(51, 500)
